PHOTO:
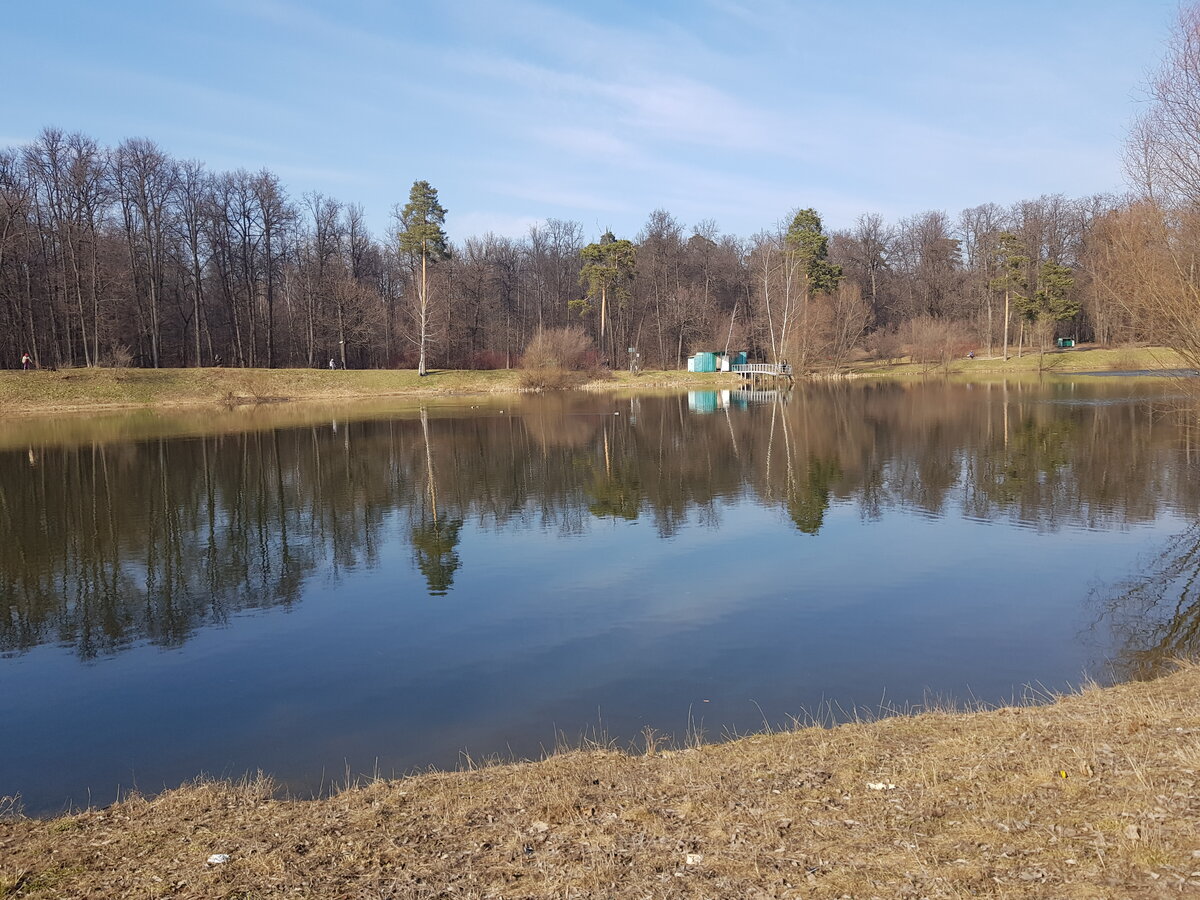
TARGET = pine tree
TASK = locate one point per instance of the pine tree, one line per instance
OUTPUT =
(423, 238)
(608, 269)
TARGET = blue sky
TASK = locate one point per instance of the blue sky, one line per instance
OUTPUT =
(732, 110)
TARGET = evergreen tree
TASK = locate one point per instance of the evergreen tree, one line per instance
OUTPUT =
(808, 246)
(423, 239)
(806, 250)
(608, 269)
(1054, 298)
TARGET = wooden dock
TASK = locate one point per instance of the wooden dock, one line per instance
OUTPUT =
(751, 372)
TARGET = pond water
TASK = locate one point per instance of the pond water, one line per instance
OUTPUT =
(356, 590)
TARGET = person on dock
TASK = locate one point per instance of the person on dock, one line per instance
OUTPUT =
(26, 362)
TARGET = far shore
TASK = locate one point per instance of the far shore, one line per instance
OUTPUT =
(1093, 795)
(42, 392)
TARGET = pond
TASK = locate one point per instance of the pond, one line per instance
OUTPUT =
(324, 593)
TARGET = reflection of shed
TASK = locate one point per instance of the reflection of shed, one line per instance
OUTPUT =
(715, 360)
(707, 401)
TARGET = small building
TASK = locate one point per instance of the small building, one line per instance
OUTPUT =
(716, 360)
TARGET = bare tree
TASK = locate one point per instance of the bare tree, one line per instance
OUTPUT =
(1157, 238)
(146, 179)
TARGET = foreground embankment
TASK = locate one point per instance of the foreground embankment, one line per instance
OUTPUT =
(1095, 795)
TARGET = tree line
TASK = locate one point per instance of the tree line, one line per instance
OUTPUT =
(124, 255)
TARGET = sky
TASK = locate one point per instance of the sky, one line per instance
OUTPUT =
(730, 110)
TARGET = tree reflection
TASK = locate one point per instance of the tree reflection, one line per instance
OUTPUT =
(435, 547)
(106, 545)
(1156, 613)
(615, 490)
(808, 498)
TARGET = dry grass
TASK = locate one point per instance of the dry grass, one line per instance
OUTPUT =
(1080, 359)
(44, 392)
(1095, 795)
(31, 393)
(553, 378)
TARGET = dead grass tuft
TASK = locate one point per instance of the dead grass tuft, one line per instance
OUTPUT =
(1125, 359)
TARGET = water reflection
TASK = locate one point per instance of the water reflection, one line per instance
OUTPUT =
(103, 545)
(383, 588)
(1156, 612)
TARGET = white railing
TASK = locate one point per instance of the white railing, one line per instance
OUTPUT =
(762, 369)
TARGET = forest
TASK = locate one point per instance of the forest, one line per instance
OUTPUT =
(127, 256)
(117, 256)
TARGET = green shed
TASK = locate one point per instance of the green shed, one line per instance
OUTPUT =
(706, 362)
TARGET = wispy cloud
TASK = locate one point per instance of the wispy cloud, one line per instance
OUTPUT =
(295, 17)
(732, 109)
(319, 173)
(645, 105)
(560, 195)
(583, 141)
(478, 222)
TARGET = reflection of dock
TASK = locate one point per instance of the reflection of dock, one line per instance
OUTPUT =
(741, 398)
(754, 372)
(744, 396)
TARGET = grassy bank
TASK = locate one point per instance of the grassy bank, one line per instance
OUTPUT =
(1095, 795)
(1077, 359)
(92, 389)
(99, 389)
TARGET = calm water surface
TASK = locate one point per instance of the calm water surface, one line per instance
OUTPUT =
(374, 592)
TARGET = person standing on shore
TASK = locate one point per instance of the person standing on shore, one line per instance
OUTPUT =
(26, 362)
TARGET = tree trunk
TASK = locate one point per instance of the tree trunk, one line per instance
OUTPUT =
(423, 319)
(1006, 319)
(603, 315)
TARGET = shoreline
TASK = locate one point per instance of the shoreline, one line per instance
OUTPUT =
(50, 393)
(1093, 794)
(64, 392)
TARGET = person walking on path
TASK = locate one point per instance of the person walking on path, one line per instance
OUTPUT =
(332, 366)
(26, 362)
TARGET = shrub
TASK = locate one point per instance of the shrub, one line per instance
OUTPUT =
(558, 358)
(884, 345)
(488, 359)
(934, 342)
(120, 357)
(560, 348)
